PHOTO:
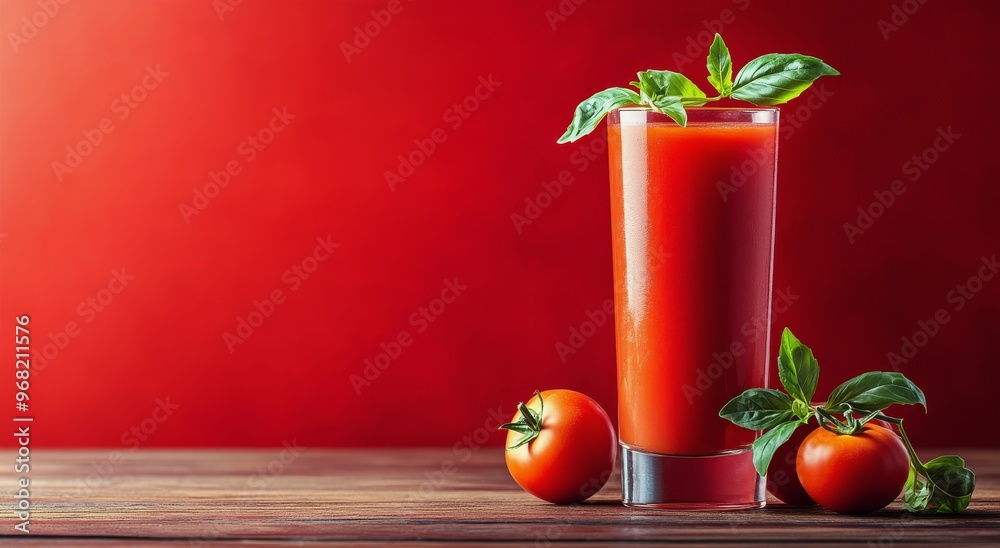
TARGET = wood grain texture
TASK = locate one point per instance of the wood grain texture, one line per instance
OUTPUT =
(411, 496)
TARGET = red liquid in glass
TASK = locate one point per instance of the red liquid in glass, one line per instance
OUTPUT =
(693, 223)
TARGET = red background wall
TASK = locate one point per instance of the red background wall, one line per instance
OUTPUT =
(323, 175)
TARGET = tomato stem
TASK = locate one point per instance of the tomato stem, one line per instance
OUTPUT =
(850, 426)
(529, 419)
(529, 424)
(838, 427)
(914, 459)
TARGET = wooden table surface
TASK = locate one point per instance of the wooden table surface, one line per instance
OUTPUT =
(406, 497)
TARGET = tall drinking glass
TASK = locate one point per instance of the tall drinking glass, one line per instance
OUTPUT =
(692, 212)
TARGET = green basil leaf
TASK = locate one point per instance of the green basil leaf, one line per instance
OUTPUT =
(954, 484)
(778, 77)
(916, 493)
(664, 83)
(759, 409)
(947, 489)
(797, 368)
(944, 462)
(720, 67)
(765, 446)
(874, 391)
(672, 107)
(590, 112)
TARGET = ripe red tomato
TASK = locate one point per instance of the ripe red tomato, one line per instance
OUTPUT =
(782, 479)
(853, 474)
(574, 450)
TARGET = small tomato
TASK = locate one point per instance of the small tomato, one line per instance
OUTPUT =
(561, 446)
(782, 479)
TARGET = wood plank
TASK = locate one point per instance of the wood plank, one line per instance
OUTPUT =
(413, 496)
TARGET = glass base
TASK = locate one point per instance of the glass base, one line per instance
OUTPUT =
(718, 481)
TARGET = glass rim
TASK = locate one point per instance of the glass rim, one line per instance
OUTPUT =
(697, 116)
(694, 109)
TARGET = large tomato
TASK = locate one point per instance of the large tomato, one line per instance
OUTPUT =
(570, 448)
(853, 474)
(782, 479)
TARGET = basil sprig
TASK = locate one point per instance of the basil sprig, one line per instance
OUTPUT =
(771, 79)
(590, 112)
(941, 486)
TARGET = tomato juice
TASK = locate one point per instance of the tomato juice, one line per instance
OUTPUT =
(692, 212)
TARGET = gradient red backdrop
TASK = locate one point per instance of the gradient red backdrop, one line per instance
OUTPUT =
(134, 265)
